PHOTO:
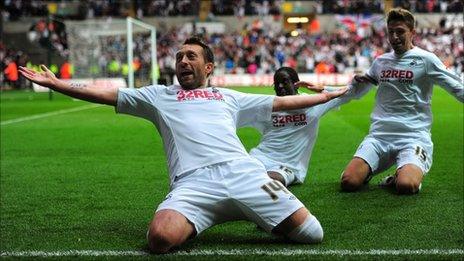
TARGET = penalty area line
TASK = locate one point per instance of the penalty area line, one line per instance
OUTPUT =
(48, 114)
(242, 252)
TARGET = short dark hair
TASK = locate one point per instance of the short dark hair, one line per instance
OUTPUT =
(207, 52)
(278, 75)
(402, 15)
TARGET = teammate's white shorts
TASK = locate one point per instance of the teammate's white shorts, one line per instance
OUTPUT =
(381, 154)
(289, 174)
(233, 190)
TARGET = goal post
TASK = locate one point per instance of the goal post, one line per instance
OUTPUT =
(109, 49)
(130, 50)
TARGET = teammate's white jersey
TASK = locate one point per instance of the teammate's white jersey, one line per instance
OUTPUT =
(403, 98)
(288, 137)
(198, 127)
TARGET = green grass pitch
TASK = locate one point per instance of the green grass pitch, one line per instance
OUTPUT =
(89, 180)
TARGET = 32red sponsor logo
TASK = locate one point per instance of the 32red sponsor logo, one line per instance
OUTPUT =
(184, 95)
(402, 74)
(282, 120)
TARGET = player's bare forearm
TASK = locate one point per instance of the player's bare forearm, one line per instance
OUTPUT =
(107, 95)
(294, 102)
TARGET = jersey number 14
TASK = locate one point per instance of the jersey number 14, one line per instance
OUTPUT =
(273, 187)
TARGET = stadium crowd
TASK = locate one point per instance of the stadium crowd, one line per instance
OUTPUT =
(377, 6)
(256, 49)
(14, 9)
(49, 34)
(259, 50)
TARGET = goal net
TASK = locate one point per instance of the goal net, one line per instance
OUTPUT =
(113, 48)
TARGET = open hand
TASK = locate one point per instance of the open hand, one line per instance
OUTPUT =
(45, 78)
(337, 93)
(310, 86)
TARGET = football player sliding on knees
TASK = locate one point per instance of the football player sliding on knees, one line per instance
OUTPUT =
(220, 181)
(402, 118)
(289, 136)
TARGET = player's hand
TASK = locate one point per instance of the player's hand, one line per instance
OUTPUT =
(336, 93)
(310, 86)
(360, 78)
(45, 78)
(363, 79)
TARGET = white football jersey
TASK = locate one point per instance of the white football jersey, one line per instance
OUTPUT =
(288, 137)
(403, 99)
(198, 127)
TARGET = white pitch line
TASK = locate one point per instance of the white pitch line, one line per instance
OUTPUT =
(48, 114)
(243, 252)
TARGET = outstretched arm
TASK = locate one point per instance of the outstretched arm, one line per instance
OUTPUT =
(107, 95)
(310, 86)
(449, 81)
(356, 90)
(365, 79)
(302, 101)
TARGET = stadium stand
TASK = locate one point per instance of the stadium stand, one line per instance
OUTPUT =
(256, 48)
(14, 9)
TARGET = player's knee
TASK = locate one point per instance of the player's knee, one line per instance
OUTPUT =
(350, 182)
(409, 179)
(310, 232)
(276, 176)
(407, 187)
(159, 241)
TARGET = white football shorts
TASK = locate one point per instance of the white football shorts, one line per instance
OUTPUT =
(289, 174)
(233, 190)
(285, 172)
(381, 154)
